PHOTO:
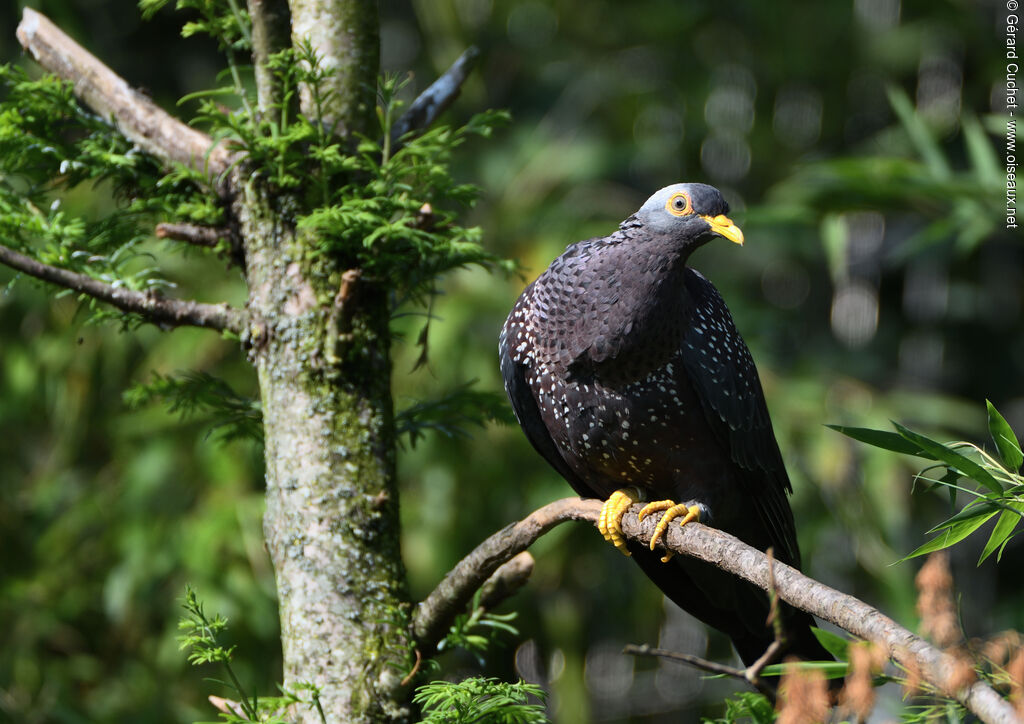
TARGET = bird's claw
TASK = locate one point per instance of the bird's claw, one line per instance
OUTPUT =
(672, 510)
(610, 520)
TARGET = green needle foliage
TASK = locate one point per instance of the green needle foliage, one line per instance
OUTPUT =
(49, 145)
(480, 701)
(202, 636)
(229, 415)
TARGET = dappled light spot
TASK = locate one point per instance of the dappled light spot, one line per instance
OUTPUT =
(785, 283)
(531, 24)
(730, 104)
(926, 290)
(877, 14)
(939, 84)
(725, 156)
(796, 120)
(921, 358)
(855, 313)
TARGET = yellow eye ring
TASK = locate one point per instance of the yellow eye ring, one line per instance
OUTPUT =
(679, 204)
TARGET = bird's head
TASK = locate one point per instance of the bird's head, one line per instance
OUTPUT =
(693, 213)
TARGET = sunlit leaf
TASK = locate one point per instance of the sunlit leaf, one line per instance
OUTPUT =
(920, 135)
(1004, 438)
(951, 457)
(883, 439)
(1008, 521)
(833, 643)
(954, 534)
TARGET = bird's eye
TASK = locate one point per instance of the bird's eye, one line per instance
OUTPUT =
(679, 204)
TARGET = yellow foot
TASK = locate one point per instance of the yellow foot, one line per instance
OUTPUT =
(610, 521)
(672, 510)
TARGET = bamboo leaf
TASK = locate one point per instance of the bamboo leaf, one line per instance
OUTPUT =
(1004, 438)
(952, 458)
(1008, 521)
(883, 439)
(954, 534)
(970, 512)
(833, 643)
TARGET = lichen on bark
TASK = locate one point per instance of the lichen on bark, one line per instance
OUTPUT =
(332, 503)
(346, 37)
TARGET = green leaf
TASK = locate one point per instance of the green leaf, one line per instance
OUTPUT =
(1004, 438)
(979, 150)
(831, 669)
(954, 534)
(883, 439)
(920, 135)
(970, 512)
(952, 458)
(833, 643)
(1008, 521)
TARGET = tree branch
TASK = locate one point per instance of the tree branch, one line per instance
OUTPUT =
(156, 309)
(434, 100)
(435, 613)
(712, 667)
(207, 236)
(140, 119)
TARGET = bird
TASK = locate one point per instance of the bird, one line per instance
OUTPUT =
(626, 372)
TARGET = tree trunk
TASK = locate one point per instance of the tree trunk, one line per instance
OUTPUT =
(331, 522)
(320, 342)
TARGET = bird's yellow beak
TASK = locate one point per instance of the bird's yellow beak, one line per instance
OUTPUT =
(723, 226)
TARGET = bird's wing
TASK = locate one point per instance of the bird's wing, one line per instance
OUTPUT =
(723, 374)
(525, 407)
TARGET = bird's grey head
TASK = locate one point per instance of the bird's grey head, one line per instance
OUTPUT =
(693, 211)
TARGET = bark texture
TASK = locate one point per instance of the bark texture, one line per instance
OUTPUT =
(320, 339)
(332, 504)
(346, 36)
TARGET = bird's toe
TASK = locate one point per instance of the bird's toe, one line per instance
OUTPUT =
(610, 520)
(673, 511)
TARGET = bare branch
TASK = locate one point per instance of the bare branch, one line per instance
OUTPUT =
(434, 100)
(156, 309)
(436, 612)
(136, 116)
(712, 667)
(506, 581)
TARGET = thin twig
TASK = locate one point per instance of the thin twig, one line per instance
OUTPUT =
(436, 98)
(154, 308)
(415, 669)
(435, 613)
(136, 116)
(700, 663)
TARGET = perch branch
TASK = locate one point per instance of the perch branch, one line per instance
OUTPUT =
(436, 98)
(140, 119)
(506, 581)
(436, 612)
(156, 309)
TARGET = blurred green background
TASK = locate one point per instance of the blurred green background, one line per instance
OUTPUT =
(860, 145)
